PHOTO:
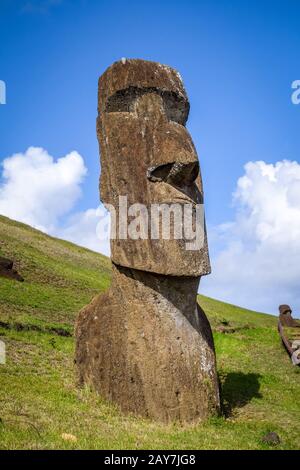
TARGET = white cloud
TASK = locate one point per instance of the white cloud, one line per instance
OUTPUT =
(42, 192)
(256, 258)
(38, 190)
(89, 228)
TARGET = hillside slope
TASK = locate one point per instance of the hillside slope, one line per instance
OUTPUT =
(39, 399)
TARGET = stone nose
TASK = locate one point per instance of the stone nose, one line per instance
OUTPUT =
(176, 173)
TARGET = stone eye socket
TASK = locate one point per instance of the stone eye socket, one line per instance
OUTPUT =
(122, 101)
(176, 173)
(176, 107)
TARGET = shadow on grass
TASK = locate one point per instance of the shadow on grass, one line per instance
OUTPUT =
(238, 389)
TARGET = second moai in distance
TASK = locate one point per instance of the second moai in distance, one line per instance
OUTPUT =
(146, 344)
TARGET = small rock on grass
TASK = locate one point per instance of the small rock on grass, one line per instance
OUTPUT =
(271, 438)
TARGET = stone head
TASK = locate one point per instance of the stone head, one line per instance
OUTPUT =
(147, 156)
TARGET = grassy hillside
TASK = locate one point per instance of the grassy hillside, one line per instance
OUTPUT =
(40, 402)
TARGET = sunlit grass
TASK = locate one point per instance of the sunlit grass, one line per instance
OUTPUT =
(40, 403)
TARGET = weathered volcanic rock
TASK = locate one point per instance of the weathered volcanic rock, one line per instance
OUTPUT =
(271, 438)
(285, 316)
(6, 270)
(143, 109)
(146, 344)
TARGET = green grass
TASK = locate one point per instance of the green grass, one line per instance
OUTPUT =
(39, 400)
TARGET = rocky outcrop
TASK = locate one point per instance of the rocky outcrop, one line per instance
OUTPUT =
(7, 270)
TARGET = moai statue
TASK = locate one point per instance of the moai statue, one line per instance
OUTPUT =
(146, 344)
(285, 316)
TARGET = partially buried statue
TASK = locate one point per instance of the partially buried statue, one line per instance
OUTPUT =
(146, 344)
(285, 316)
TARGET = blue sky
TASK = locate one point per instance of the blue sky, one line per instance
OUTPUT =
(237, 58)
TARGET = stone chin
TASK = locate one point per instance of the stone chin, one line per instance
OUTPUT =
(169, 257)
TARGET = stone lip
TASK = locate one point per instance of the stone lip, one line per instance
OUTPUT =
(6, 270)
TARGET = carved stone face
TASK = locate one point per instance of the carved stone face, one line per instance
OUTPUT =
(148, 155)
